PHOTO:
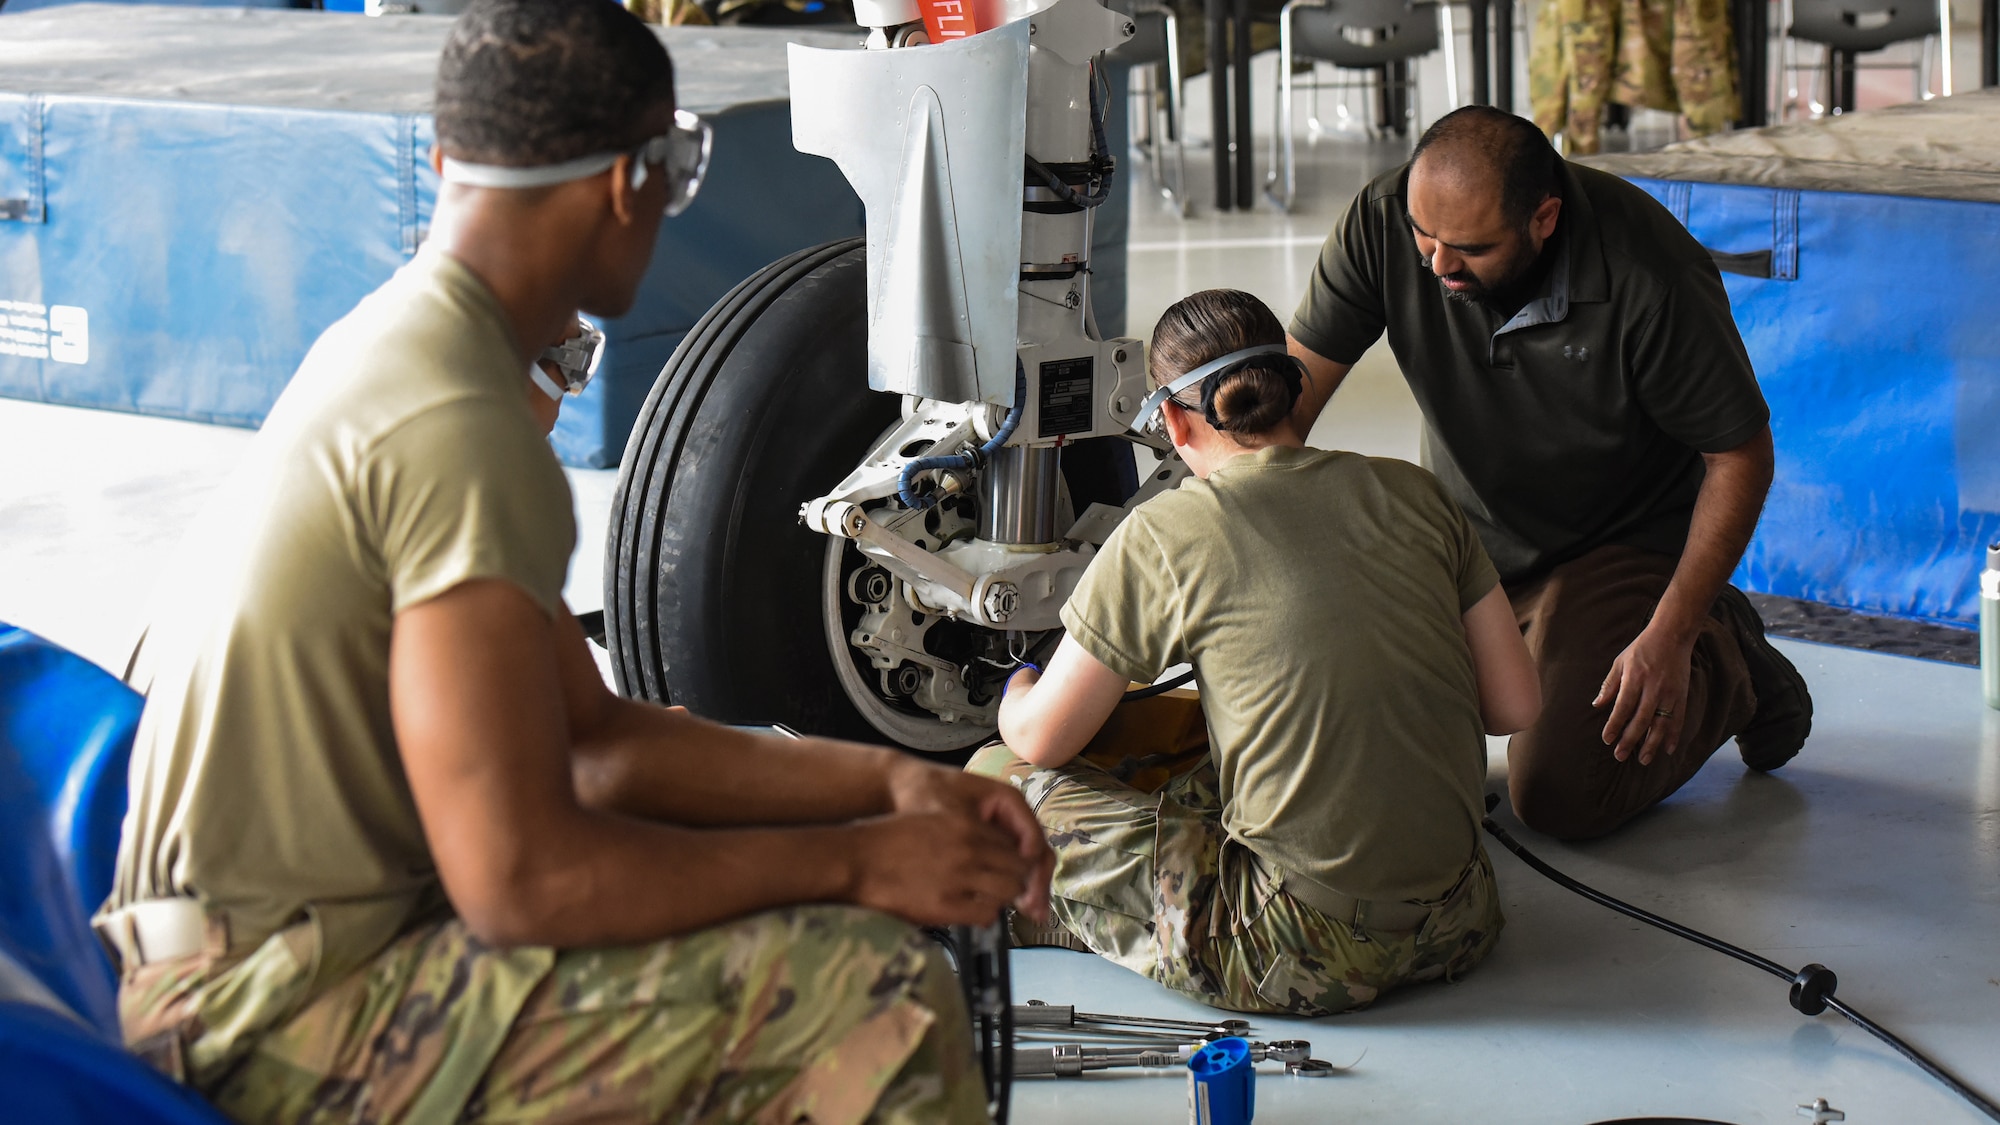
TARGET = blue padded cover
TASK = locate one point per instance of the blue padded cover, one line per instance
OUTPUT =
(66, 731)
(54, 1073)
(188, 220)
(1869, 321)
(30, 5)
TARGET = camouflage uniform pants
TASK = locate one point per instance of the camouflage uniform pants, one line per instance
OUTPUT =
(1672, 55)
(815, 1014)
(1154, 883)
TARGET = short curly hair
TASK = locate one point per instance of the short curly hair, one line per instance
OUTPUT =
(523, 83)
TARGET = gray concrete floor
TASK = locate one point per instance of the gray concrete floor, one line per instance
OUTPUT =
(1877, 852)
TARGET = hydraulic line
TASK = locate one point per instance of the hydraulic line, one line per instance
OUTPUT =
(1812, 986)
(1099, 158)
(972, 458)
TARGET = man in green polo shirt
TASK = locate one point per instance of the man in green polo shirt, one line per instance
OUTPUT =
(1588, 402)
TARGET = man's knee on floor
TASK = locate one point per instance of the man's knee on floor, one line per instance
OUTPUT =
(1562, 807)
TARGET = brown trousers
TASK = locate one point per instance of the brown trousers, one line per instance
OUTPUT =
(1561, 776)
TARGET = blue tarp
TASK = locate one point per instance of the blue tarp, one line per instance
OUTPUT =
(1858, 252)
(1877, 345)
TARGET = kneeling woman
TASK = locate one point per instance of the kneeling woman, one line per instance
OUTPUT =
(1351, 643)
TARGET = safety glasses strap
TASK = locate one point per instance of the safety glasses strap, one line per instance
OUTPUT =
(1159, 397)
(545, 175)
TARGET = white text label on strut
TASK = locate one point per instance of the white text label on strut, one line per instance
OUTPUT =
(55, 332)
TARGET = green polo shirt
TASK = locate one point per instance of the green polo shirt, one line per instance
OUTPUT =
(1579, 421)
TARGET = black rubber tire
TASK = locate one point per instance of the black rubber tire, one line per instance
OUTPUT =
(713, 589)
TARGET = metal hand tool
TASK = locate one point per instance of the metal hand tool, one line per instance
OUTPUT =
(1037, 1014)
(1068, 1060)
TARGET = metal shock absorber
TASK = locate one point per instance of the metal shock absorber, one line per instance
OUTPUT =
(1018, 494)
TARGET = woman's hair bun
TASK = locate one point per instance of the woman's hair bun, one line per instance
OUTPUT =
(1204, 326)
(1255, 398)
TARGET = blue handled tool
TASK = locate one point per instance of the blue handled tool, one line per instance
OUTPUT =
(1222, 1084)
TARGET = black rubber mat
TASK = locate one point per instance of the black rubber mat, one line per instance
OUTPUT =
(1832, 625)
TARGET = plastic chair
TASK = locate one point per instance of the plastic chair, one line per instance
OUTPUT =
(1380, 36)
(1156, 105)
(1846, 28)
(66, 731)
(56, 1072)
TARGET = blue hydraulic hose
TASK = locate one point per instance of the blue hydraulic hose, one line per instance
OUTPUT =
(971, 459)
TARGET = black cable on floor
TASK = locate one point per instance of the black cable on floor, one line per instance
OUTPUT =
(1812, 986)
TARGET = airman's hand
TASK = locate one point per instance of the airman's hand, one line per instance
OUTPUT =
(937, 869)
(916, 786)
(1647, 690)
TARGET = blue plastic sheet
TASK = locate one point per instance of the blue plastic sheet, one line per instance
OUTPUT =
(1877, 345)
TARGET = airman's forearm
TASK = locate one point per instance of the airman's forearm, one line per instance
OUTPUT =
(669, 765)
(1725, 517)
(602, 880)
(1324, 377)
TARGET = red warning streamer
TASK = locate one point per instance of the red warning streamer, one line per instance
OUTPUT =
(949, 19)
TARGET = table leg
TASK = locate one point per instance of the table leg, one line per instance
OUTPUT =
(1243, 138)
(1482, 55)
(1989, 43)
(1218, 99)
(1753, 61)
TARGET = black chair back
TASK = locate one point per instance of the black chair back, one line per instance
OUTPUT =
(1358, 34)
(1863, 25)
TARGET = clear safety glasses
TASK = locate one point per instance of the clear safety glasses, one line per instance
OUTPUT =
(684, 152)
(575, 361)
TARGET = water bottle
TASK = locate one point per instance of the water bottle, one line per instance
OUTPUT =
(1989, 627)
